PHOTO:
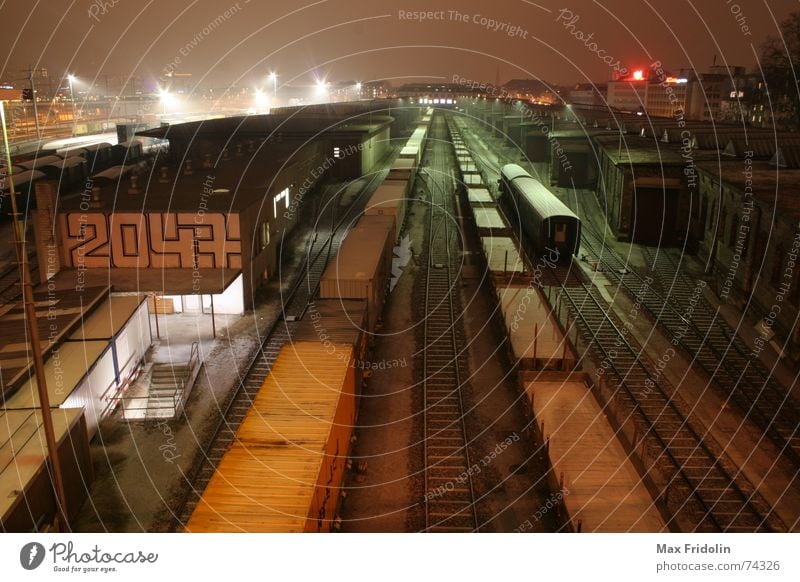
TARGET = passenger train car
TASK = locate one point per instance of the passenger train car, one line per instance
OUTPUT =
(546, 221)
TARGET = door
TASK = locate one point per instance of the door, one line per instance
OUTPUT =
(654, 215)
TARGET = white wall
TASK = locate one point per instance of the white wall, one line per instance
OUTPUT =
(92, 391)
(229, 302)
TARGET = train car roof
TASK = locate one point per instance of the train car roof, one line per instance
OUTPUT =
(37, 162)
(66, 162)
(97, 147)
(114, 172)
(25, 176)
(542, 199)
(513, 171)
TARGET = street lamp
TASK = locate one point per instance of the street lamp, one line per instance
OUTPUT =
(166, 98)
(71, 80)
(274, 78)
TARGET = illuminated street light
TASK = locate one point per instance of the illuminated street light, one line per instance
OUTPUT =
(71, 80)
(167, 99)
(262, 101)
(274, 78)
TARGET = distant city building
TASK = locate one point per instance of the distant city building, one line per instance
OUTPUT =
(588, 94)
(531, 90)
(722, 93)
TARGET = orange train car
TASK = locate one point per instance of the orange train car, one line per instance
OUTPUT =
(284, 471)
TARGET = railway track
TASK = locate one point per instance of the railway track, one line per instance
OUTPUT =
(449, 493)
(330, 233)
(701, 489)
(677, 304)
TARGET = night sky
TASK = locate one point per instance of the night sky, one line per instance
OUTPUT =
(345, 40)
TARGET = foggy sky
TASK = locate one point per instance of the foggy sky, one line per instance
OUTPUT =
(345, 40)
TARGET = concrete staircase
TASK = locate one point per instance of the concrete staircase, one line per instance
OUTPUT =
(165, 396)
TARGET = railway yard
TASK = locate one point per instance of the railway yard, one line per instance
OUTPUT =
(452, 344)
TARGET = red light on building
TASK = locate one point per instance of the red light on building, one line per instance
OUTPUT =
(638, 75)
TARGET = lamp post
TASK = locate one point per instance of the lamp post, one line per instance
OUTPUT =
(33, 335)
(274, 78)
(71, 79)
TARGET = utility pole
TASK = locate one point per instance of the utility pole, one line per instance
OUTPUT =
(35, 107)
(33, 334)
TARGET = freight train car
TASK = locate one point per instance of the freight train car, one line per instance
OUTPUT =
(284, 471)
(363, 266)
(390, 199)
(545, 220)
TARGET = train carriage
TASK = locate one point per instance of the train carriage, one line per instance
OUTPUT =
(546, 221)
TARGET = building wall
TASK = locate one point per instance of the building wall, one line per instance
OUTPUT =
(627, 96)
(266, 222)
(37, 504)
(150, 240)
(748, 256)
(619, 184)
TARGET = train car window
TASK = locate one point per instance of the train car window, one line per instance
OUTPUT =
(561, 233)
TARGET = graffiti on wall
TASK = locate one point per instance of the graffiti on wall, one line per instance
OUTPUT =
(157, 240)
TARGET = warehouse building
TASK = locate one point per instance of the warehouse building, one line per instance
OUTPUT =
(201, 232)
(750, 225)
(648, 193)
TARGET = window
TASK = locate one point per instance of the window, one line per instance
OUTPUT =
(264, 235)
(561, 233)
(283, 195)
(337, 153)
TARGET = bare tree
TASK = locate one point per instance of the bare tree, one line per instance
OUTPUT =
(780, 62)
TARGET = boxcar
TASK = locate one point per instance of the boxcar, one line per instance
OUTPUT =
(284, 471)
